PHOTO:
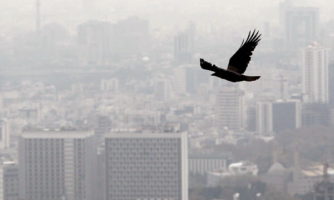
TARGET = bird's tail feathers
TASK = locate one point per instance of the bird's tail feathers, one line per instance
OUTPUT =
(251, 78)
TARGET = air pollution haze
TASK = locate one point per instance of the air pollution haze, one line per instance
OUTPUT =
(230, 15)
(108, 100)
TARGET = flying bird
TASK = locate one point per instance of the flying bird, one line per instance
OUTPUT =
(238, 62)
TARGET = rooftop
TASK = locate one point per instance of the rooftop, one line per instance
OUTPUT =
(145, 135)
(57, 134)
(317, 170)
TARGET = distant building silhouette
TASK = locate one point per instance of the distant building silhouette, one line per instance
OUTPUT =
(131, 37)
(251, 119)
(188, 79)
(230, 107)
(162, 89)
(331, 84)
(315, 74)
(146, 166)
(103, 42)
(184, 46)
(301, 25)
(194, 78)
(274, 117)
(283, 88)
(95, 41)
(4, 134)
(264, 119)
(315, 114)
(286, 115)
(331, 91)
(283, 7)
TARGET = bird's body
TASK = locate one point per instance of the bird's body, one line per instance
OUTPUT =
(233, 76)
(228, 75)
(238, 62)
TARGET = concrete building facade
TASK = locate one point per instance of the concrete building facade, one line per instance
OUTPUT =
(56, 165)
(146, 166)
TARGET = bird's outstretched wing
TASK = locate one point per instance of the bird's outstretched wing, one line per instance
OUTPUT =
(239, 61)
(208, 66)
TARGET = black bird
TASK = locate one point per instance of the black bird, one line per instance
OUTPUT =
(238, 62)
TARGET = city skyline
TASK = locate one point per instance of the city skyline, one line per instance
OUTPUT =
(106, 100)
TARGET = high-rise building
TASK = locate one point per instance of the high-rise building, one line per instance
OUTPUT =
(230, 107)
(131, 37)
(286, 115)
(9, 181)
(283, 87)
(264, 119)
(315, 74)
(56, 165)
(283, 6)
(146, 166)
(301, 25)
(194, 79)
(331, 84)
(331, 91)
(274, 117)
(95, 40)
(4, 134)
(162, 88)
(251, 119)
(103, 42)
(100, 175)
(316, 114)
(184, 45)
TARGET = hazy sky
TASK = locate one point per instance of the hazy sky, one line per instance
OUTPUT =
(18, 15)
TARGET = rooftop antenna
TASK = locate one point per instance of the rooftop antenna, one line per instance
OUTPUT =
(38, 15)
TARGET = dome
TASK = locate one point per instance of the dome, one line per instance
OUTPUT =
(276, 167)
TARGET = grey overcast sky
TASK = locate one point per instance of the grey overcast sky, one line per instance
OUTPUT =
(18, 15)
